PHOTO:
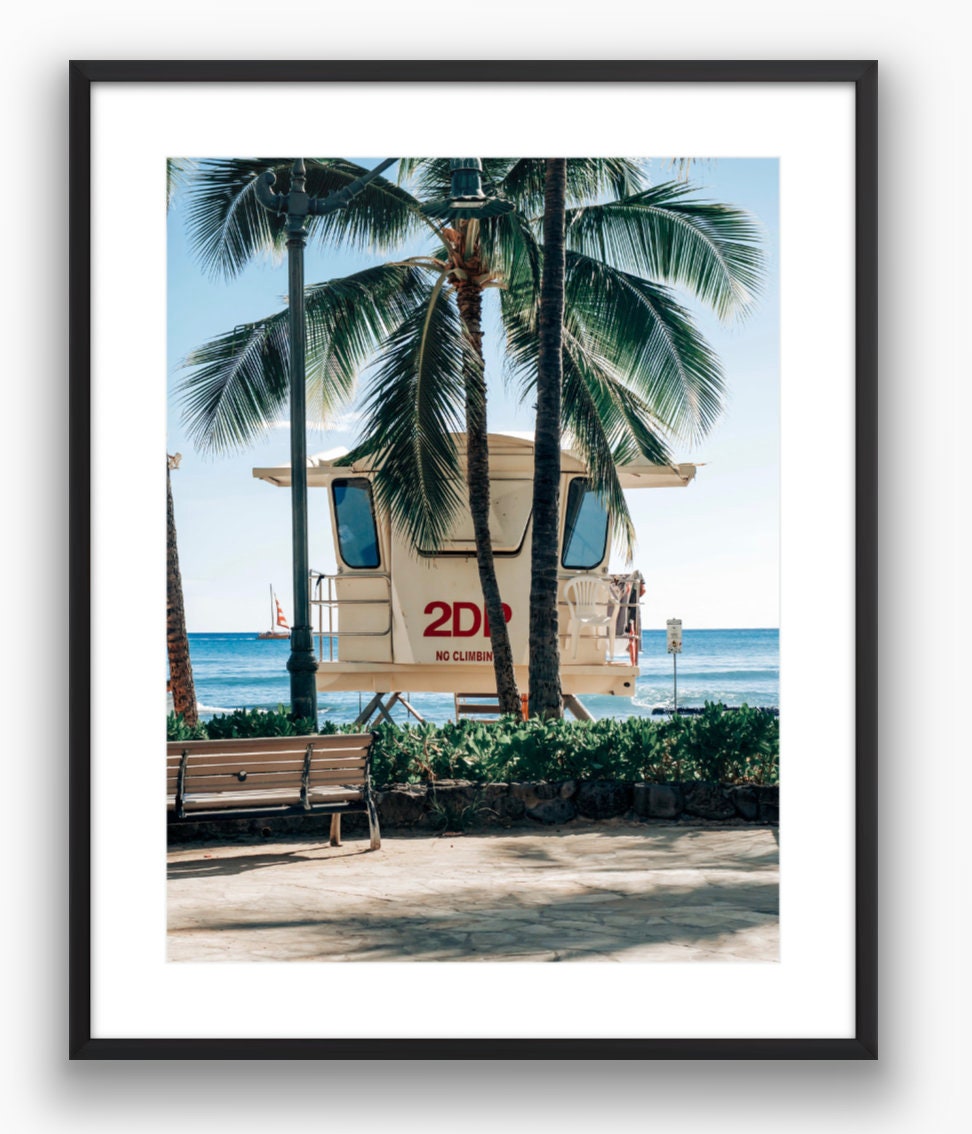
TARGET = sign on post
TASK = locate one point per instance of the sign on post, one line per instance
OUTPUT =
(674, 627)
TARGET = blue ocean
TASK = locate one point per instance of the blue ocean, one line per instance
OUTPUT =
(735, 667)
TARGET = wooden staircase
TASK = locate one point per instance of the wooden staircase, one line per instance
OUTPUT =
(483, 706)
(477, 706)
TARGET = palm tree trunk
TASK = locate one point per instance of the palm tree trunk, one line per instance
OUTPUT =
(177, 641)
(545, 692)
(469, 297)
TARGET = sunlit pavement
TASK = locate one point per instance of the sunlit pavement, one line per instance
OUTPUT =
(599, 892)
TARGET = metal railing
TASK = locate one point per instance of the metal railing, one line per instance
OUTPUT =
(627, 600)
(330, 603)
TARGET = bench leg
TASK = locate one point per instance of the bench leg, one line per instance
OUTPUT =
(335, 830)
(373, 824)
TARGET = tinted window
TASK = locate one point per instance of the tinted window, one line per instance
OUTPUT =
(585, 528)
(357, 535)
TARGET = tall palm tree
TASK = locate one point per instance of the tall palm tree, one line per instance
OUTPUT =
(466, 269)
(635, 369)
(177, 641)
(663, 233)
(546, 699)
(660, 234)
(181, 682)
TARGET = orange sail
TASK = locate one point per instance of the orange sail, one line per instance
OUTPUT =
(279, 626)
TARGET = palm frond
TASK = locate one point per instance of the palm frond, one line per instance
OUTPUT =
(378, 218)
(644, 336)
(587, 180)
(228, 226)
(605, 421)
(667, 235)
(415, 405)
(510, 248)
(238, 385)
(177, 173)
(587, 427)
(347, 319)
(240, 381)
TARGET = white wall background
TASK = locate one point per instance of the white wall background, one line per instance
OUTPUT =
(925, 781)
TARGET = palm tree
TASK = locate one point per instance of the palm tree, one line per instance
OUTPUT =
(177, 641)
(711, 249)
(635, 369)
(546, 699)
(181, 682)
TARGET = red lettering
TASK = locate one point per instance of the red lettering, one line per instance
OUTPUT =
(438, 627)
(457, 611)
(432, 630)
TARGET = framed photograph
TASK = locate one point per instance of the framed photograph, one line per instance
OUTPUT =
(698, 314)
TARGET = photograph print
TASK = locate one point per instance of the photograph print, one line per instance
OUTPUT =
(473, 559)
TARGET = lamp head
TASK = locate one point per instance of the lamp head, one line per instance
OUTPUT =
(467, 199)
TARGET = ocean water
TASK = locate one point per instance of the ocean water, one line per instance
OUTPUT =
(736, 667)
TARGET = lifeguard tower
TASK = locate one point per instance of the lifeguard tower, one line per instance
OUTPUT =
(396, 617)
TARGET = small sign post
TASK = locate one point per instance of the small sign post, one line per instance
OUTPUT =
(674, 629)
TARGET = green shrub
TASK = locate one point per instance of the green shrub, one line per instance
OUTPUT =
(738, 747)
(241, 724)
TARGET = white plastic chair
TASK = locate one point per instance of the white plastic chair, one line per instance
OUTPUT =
(591, 602)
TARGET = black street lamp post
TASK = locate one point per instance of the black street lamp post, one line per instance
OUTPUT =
(297, 206)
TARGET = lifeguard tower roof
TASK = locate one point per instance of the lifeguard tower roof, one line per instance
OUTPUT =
(508, 453)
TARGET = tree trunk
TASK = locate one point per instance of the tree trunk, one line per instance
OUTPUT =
(545, 692)
(469, 297)
(180, 665)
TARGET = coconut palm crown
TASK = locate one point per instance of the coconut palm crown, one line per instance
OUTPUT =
(638, 375)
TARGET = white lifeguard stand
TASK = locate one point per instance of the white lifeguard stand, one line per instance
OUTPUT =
(395, 617)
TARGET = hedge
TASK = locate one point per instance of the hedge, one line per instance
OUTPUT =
(741, 746)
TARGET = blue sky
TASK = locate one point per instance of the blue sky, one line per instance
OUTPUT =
(709, 553)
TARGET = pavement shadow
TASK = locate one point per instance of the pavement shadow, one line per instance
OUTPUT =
(692, 848)
(211, 866)
(535, 926)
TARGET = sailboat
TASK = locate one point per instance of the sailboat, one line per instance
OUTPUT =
(279, 627)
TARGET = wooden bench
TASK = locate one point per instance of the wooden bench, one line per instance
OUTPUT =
(271, 778)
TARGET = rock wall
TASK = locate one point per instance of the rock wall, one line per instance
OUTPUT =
(458, 805)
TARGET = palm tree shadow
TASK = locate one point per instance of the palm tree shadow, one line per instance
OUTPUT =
(698, 919)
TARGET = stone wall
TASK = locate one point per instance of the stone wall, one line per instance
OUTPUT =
(458, 805)
(421, 805)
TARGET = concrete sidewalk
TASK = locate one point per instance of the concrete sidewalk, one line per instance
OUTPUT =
(599, 892)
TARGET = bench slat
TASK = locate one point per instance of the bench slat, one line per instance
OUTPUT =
(209, 801)
(340, 777)
(228, 766)
(204, 800)
(294, 744)
(234, 784)
(337, 765)
(230, 763)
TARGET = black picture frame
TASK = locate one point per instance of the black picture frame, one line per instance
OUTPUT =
(863, 76)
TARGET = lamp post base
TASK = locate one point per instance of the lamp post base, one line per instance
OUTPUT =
(302, 667)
